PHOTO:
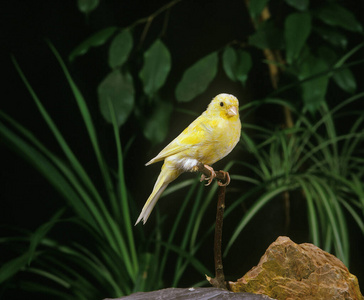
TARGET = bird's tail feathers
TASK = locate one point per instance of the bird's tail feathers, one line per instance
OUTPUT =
(158, 189)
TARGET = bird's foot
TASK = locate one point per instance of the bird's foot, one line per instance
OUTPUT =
(208, 179)
(226, 177)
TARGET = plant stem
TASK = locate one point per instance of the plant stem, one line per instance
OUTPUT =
(219, 271)
(219, 280)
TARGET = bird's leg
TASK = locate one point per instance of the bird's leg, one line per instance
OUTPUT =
(226, 177)
(209, 179)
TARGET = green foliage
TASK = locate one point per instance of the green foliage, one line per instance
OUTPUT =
(86, 6)
(120, 48)
(115, 265)
(197, 78)
(118, 88)
(267, 36)
(256, 7)
(298, 4)
(321, 165)
(297, 28)
(237, 64)
(336, 15)
(157, 64)
(97, 39)
(310, 157)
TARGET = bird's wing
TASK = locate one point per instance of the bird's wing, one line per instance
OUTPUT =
(197, 133)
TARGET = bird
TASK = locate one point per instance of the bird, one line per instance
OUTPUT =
(209, 138)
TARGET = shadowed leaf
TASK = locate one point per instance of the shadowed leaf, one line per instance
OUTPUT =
(197, 78)
(335, 15)
(86, 6)
(297, 28)
(256, 7)
(157, 64)
(298, 4)
(95, 40)
(120, 48)
(117, 87)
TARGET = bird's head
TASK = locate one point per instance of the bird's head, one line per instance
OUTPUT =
(225, 106)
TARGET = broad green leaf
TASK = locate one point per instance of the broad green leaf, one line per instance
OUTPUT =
(97, 39)
(267, 37)
(120, 48)
(157, 124)
(297, 28)
(237, 64)
(313, 90)
(345, 79)
(229, 62)
(299, 4)
(332, 36)
(244, 65)
(117, 87)
(197, 78)
(335, 15)
(256, 7)
(86, 6)
(157, 64)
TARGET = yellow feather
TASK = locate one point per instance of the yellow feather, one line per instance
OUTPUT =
(206, 140)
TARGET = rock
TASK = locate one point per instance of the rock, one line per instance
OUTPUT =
(192, 293)
(291, 271)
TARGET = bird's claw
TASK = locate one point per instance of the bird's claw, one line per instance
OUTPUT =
(226, 177)
(208, 179)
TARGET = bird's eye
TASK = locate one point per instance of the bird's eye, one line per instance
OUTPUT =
(221, 104)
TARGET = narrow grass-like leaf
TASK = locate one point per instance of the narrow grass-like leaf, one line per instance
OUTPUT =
(41, 232)
(258, 204)
(332, 219)
(90, 129)
(312, 218)
(13, 266)
(123, 190)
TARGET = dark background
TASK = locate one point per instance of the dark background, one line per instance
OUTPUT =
(195, 28)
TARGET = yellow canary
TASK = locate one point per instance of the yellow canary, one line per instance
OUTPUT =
(206, 140)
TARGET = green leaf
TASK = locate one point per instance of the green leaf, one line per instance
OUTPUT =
(297, 28)
(117, 87)
(156, 126)
(332, 36)
(268, 36)
(299, 4)
(40, 233)
(157, 64)
(244, 65)
(237, 64)
(335, 15)
(314, 89)
(197, 78)
(120, 48)
(86, 6)
(97, 39)
(345, 79)
(256, 7)
(11, 267)
(229, 62)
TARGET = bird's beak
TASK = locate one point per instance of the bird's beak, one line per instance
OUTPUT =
(232, 111)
